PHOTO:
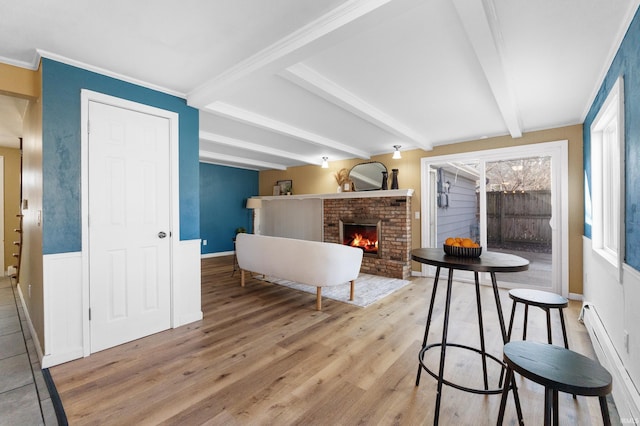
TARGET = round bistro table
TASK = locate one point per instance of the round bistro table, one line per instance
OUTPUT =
(490, 262)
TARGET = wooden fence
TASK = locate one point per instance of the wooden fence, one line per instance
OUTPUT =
(520, 217)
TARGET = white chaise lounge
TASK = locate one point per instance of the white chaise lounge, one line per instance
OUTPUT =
(306, 262)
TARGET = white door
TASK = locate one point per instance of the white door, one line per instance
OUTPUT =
(129, 225)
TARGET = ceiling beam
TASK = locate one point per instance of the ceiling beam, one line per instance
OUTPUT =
(225, 160)
(251, 146)
(480, 22)
(257, 120)
(342, 21)
(316, 83)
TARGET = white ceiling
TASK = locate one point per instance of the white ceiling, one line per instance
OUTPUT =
(282, 83)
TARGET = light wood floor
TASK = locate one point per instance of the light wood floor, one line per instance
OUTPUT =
(263, 355)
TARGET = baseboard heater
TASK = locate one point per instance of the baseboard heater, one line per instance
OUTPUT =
(625, 393)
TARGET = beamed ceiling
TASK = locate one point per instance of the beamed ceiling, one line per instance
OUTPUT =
(283, 83)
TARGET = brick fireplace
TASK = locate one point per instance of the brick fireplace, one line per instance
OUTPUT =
(394, 240)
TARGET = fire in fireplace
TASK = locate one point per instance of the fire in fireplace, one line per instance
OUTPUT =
(361, 233)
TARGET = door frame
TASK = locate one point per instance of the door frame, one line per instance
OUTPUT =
(560, 180)
(88, 96)
(2, 218)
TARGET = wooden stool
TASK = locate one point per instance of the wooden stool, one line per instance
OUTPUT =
(558, 370)
(543, 300)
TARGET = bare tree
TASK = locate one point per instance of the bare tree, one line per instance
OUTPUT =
(524, 174)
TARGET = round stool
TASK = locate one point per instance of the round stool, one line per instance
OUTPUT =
(543, 300)
(558, 370)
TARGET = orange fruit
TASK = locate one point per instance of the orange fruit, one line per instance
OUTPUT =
(467, 242)
(449, 241)
(456, 244)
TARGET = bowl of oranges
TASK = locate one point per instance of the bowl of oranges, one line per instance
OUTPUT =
(462, 247)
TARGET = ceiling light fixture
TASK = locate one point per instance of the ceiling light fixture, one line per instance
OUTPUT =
(396, 153)
(325, 163)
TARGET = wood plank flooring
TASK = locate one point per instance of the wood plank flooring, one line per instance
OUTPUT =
(264, 355)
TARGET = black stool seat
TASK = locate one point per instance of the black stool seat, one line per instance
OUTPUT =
(541, 299)
(559, 370)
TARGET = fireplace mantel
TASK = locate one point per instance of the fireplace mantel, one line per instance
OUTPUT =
(356, 194)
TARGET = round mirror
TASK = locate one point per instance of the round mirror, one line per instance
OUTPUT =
(367, 176)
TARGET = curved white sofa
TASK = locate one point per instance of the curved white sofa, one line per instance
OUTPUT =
(306, 262)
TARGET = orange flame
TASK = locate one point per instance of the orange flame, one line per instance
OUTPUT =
(365, 243)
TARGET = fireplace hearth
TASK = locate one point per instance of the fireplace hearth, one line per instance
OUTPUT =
(363, 233)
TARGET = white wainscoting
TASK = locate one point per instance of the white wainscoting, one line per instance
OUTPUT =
(66, 320)
(187, 306)
(611, 316)
(63, 316)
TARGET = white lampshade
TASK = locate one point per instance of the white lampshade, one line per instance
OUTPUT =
(254, 203)
(396, 153)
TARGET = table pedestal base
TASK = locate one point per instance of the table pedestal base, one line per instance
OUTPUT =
(439, 376)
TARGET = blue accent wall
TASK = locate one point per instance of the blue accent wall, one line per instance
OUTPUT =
(223, 196)
(627, 64)
(61, 86)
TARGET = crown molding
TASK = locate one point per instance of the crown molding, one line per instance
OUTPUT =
(342, 15)
(622, 31)
(241, 162)
(480, 23)
(316, 83)
(106, 72)
(257, 120)
(251, 146)
(33, 65)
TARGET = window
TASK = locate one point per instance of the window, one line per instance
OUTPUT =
(607, 171)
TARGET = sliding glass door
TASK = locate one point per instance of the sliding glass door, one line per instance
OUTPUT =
(508, 200)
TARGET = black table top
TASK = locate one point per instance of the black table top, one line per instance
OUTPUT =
(558, 368)
(488, 262)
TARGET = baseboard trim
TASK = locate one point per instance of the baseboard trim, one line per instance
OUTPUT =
(575, 296)
(219, 254)
(625, 394)
(34, 335)
(187, 319)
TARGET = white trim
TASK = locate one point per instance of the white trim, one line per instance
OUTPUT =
(32, 330)
(242, 115)
(333, 20)
(251, 146)
(91, 96)
(612, 108)
(480, 22)
(559, 170)
(575, 296)
(225, 159)
(606, 64)
(188, 301)
(78, 64)
(318, 84)
(350, 194)
(217, 254)
(32, 65)
(625, 394)
(62, 311)
(2, 216)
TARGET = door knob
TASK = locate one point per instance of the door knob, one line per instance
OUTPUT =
(161, 234)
